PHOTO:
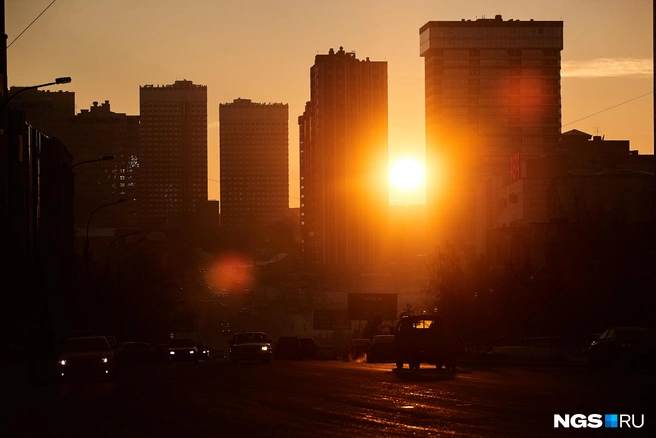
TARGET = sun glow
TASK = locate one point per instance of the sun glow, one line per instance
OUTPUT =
(406, 174)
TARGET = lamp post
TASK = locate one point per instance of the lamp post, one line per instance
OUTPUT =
(105, 158)
(110, 248)
(118, 263)
(86, 242)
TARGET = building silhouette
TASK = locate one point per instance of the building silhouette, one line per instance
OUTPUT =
(492, 90)
(588, 186)
(39, 234)
(254, 162)
(45, 110)
(343, 162)
(90, 135)
(172, 154)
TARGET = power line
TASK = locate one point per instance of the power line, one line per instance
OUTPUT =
(609, 108)
(33, 21)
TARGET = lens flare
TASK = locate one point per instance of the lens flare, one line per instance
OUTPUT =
(231, 272)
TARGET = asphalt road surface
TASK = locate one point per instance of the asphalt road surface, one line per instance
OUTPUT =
(323, 399)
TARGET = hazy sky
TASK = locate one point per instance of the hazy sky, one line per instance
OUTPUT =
(263, 50)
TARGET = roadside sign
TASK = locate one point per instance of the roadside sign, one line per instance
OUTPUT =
(364, 306)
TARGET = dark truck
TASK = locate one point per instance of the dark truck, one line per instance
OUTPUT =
(422, 338)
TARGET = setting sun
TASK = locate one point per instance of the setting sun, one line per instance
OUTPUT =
(406, 174)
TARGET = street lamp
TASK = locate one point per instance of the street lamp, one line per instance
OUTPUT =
(58, 81)
(105, 158)
(110, 248)
(118, 263)
(86, 243)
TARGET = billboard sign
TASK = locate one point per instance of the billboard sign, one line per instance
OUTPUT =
(368, 305)
(330, 319)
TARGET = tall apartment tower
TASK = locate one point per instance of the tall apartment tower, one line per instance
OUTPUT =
(254, 162)
(343, 162)
(492, 91)
(172, 154)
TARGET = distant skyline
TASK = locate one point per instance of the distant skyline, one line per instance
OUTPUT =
(263, 50)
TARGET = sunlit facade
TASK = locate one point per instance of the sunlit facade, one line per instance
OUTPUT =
(254, 162)
(343, 162)
(492, 90)
(172, 154)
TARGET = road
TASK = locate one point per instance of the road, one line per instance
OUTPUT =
(323, 399)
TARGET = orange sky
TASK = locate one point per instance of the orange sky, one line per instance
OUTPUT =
(263, 50)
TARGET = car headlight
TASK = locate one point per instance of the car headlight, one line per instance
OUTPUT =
(265, 348)
(62, 362)
(191, 351)
(104, 360)
(171, 352)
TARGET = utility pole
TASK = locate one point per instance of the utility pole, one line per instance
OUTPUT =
(4, 157)
(3, 56)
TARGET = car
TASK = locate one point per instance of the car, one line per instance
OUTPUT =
(203, 351)
(619, 347)
(250, 346)
(288, 347)
(357, 349)
(423, 339)
(226, 329)
(134, 352)
(381, 349)
(327, 352)
(182, 350)
(87, 357)
(308, 348)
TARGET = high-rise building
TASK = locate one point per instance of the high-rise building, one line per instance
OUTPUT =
(492, 90)
(254, 162)
(92, 134)
(172, 154)
(343, 162)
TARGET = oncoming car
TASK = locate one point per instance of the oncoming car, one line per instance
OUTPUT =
(183, 350)
(87, 357)
(250, 346)
(619, 347)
